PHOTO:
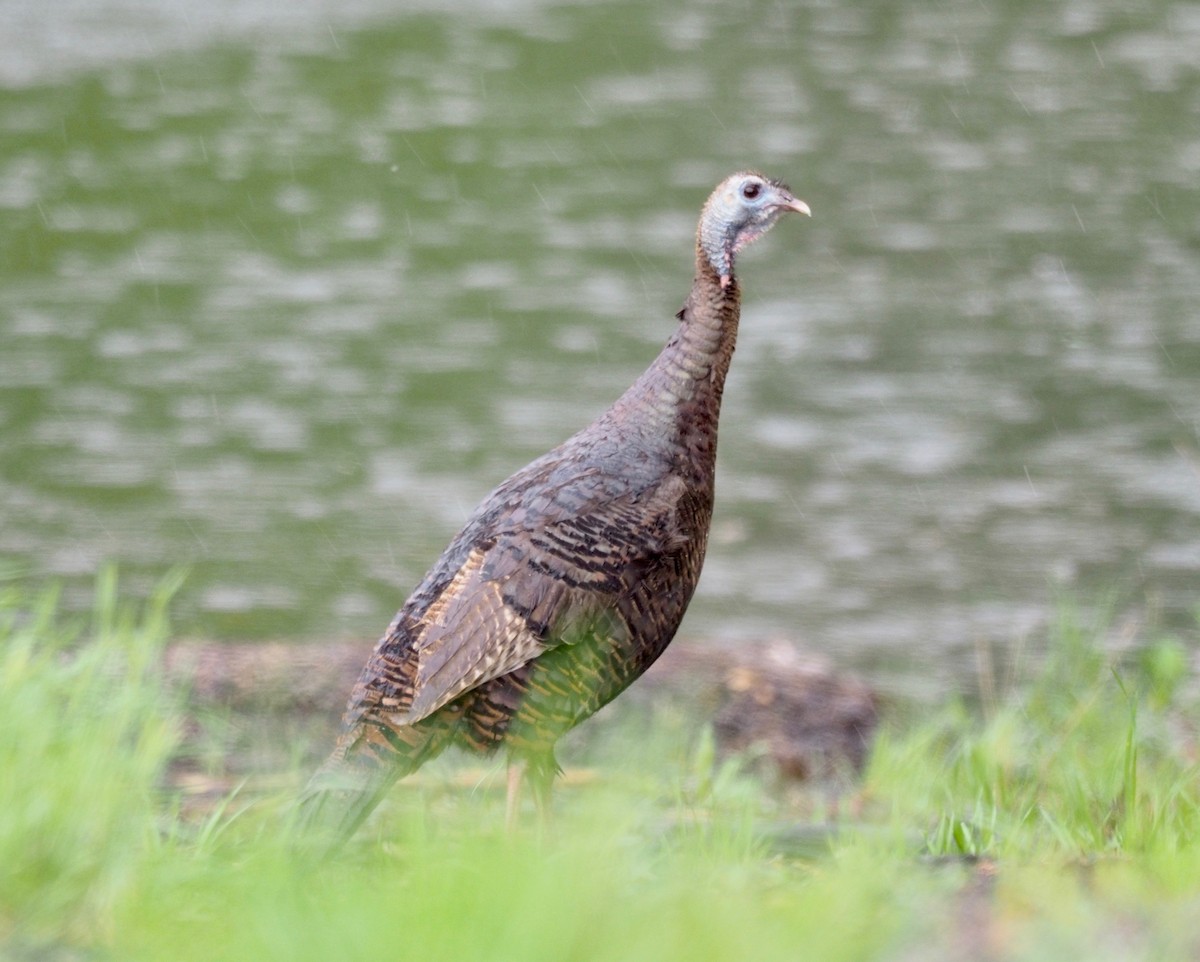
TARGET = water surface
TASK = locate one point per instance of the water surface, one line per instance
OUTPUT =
(286, 289)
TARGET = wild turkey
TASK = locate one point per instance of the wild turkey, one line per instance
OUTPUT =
(570, 579)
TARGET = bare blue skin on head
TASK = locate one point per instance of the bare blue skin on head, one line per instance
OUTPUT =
(742, 208)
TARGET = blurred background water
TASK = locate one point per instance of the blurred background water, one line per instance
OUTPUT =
(285, 288)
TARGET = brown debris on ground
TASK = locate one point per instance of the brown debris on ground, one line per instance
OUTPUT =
(808, 720)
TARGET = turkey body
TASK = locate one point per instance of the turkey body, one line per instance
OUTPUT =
(571, 577)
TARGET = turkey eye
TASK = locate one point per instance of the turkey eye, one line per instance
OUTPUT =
(750, 191)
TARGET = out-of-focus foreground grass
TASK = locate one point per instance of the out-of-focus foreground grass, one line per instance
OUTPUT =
(1059, 819)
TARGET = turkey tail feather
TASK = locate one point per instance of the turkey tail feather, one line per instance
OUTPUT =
(337, 800)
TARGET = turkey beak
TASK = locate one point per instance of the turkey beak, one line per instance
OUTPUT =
(792, 203)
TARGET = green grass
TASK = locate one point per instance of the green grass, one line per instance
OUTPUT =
(1093, 757)
(1059, 821)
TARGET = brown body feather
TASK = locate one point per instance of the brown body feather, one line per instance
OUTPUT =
(566, 583)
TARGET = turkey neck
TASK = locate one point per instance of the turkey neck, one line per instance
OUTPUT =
(674, 406)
